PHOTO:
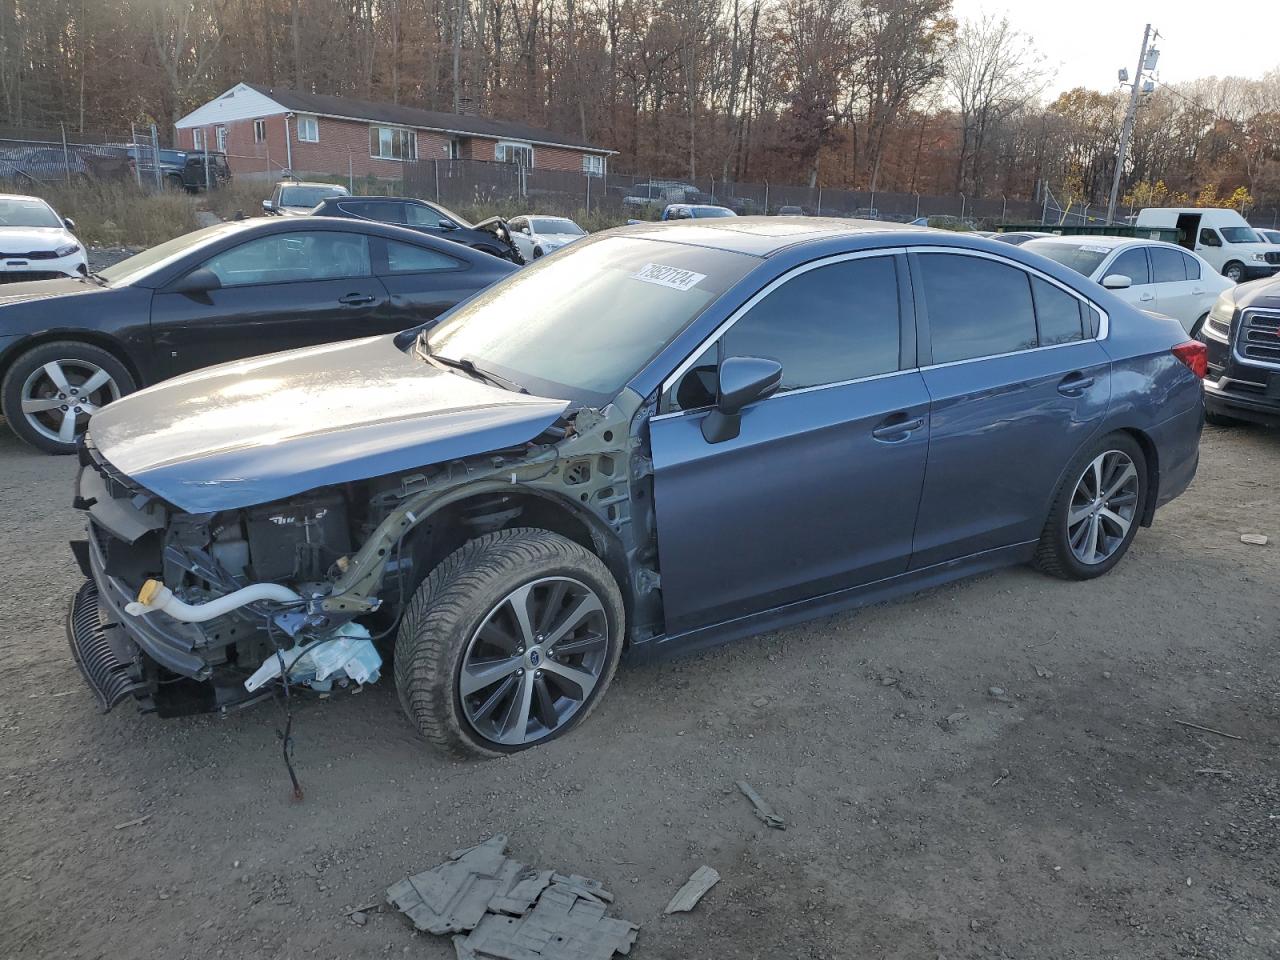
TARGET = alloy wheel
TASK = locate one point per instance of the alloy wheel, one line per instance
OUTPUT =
(59, 397)
(1103, 507)
(534, 661)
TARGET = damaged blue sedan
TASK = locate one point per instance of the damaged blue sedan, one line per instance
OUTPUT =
(659, 439)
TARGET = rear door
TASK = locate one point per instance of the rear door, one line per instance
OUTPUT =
(291, 289)
(1017, 385)
(818, 492)
(1177, 295)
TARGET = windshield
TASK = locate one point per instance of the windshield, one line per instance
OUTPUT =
(309, 196)
(556, 225)
(1082, 258)
(127, 271)
(1239, 235)
(580, 325)
(27, 213)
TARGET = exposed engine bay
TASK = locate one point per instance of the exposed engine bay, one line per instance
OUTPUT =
(191, 612)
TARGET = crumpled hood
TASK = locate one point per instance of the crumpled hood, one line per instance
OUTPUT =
(16, 241)
(257, 430)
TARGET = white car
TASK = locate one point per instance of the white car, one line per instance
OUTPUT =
(535, 236)
(1150, 274)
(1269, 235)
(36, 243)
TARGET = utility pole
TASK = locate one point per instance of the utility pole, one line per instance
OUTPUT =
(1148, 37)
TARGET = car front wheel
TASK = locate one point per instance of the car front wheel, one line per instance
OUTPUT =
(1234, 271)
(509, 642)
(50, 392)
(1096, 512)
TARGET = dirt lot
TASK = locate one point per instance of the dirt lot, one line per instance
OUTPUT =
(925, 817)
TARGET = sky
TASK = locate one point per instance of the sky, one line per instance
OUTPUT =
(1085, 42)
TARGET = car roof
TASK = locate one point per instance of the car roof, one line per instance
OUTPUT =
(1081, 240)
(308, 183)
(763, 236)
(23, 196)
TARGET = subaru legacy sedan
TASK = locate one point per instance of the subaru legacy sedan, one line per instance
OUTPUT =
(662, 438)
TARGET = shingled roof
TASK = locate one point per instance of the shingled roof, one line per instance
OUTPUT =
(401, 115)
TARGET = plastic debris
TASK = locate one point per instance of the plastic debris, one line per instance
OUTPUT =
(1254, 539)
(509, 911)
(763, 810)
(687, 897)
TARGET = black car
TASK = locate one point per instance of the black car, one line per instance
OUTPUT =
(1242, 335)
(492, 235)
(227, 292)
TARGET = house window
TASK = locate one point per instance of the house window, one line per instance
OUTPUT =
(259, 131)
(592, 165)
(197, 139)
(508, 151)
(393, 143)
(453, 150)
(308, 129)
(220, 133)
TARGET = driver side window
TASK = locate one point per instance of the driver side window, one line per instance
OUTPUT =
(290, 257)
(827, 325)
(423, 216)
(1209, 237)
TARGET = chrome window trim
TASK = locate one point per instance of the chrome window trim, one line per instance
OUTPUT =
(1235, 339)
(1104, 324)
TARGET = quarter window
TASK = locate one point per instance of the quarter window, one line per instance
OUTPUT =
(393, 143)
(1058, 317)
(1131, 263)
(406, 258)
(308, 129)
(1166, 265)
(290, 257)
(1191, 265)
(977, 307)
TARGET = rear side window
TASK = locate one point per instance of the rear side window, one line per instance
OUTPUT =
(373, 210)
(406, 258)
(1057, 314)
(1191, 265)
(976, 307)
(833, 323)
(1166, 265)
(1132, 264)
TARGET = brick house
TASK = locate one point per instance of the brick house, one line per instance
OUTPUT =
(265, 131)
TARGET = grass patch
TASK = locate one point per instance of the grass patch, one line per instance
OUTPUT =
(115, 214)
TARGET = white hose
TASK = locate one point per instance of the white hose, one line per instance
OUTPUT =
(159, 597)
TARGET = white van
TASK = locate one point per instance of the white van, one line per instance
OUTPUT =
(1222, 237)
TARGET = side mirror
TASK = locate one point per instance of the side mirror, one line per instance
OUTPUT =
(268, 206)
(743, 381)
(69, 223)
(197, 281)
(1116, 281)
(448, 225)
(526, 231)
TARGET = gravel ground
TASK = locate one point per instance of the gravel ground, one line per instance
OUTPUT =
(1070, 817)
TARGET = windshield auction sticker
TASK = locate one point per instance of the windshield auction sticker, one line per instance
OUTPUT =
(672, 277)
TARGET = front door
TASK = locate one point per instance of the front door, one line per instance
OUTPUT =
(277, 292)
(1017, 385)
(819, 490)
(1132, 262)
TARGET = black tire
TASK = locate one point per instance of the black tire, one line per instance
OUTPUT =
(1234, 271)
(72, 353)
(1220, 420)
(450, 606)
(1198, 326)
(1054, 554)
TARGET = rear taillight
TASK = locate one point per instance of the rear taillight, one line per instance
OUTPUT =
(1195, 355)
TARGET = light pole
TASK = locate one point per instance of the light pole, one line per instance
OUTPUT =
(1145, 63)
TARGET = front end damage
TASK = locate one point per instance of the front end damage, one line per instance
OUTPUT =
(192, 612)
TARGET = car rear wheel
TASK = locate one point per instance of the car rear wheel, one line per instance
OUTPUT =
(1096, 513)
(51, 391)
(510, 642)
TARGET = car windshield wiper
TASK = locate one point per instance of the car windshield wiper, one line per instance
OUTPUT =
(468, 366)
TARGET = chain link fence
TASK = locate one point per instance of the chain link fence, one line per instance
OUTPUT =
(32, 157)
(483, 183)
